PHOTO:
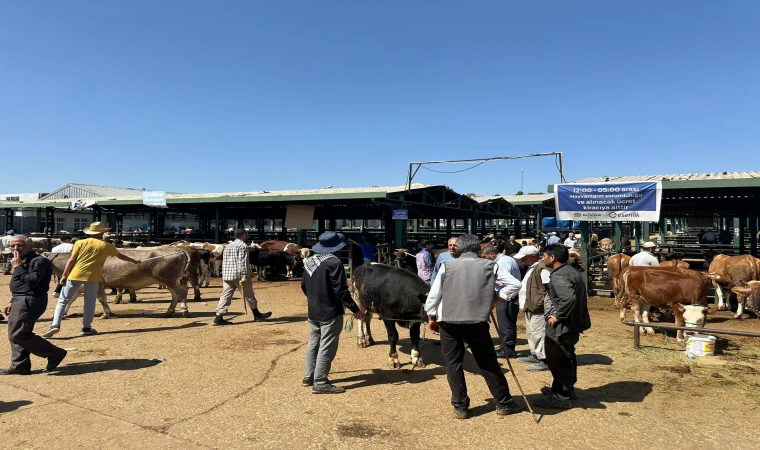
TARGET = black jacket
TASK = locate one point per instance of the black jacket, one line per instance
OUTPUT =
(569, 301)
(324, 283)
(33, 277)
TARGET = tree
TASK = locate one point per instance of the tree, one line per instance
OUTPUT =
(520, 193)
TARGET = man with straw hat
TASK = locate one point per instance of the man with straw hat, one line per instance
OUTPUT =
(85, 268)
(326, 289)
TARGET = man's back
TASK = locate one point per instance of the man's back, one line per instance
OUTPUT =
(467, 290)
(644, 258)
(91, 256)
(569, 298)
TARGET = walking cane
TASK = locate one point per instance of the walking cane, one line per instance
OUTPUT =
(506, 355)
(242, 292)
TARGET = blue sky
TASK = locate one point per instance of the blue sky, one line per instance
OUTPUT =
(198, 96)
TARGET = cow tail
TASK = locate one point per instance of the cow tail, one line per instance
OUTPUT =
(184, 279)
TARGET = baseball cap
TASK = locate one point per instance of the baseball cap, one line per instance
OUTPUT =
(526, 251)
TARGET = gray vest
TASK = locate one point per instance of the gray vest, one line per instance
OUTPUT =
(468, 289)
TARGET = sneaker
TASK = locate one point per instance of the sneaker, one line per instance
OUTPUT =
(327, 389)
(306, 382)
(219, 320)
(460, 413)
(554, 401)
(262, 316)
(88, 332)
(528, 359)
(51, 332)
(54, 362)
(546, 390)
(511, 407)
(537, 367)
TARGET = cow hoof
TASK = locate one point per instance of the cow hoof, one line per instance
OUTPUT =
(419, 364)
(393, 362)
(168, 314)
(722, 308)
(737, 317)
(362, 343)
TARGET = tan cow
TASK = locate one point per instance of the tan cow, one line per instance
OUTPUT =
(731, 272)
(616, 264)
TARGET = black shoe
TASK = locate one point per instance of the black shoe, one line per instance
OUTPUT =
(546, 390)
(15, 372)
(219, 320)
(511, 407)
(327, 389)
(306, 382)
(1, 318)
(460, 413)
(262, 316)
(554, 401)
(54, 362)
(511, 353)
(88, 332)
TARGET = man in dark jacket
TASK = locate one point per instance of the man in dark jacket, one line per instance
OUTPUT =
(29, 287)
(566, 318)
(324, 283)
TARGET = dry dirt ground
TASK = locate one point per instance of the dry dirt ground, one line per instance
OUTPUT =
(151, 382)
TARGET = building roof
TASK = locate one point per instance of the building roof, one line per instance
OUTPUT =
(675, 177)
(527, 199)
(77, 190)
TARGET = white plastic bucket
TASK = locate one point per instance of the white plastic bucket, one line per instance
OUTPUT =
(701, 345)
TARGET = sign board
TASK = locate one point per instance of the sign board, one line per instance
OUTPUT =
(300, 217)
(156, 199)
(609, 202)
(400, 214)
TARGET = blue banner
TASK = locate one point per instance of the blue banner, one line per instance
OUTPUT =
(609, 202)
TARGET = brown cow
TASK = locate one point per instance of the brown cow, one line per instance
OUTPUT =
(616, 264)
(751, 296)
(682, 290)
(675, 263)
(168, 269)
(730, 272)
(296, 250)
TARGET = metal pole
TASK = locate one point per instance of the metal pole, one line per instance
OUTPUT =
(561, 169)
(636, 337)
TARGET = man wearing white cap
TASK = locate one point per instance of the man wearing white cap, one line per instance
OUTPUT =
(553, 239)
(645, 256)
(532, 297)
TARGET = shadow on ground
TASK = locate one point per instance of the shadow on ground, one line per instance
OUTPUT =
(12, 406)
(80, 368)
(595, 397)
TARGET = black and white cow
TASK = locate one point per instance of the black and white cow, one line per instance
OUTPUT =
(397, 296)
(270, 263)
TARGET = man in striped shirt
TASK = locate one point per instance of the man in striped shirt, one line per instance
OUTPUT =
(236, 270)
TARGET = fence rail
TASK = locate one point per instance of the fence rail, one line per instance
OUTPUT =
(637, 334)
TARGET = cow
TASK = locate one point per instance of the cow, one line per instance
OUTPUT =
(44, 244)
(730, 272)
(750, 295)
(616, 264)
(405, 260)
(684, 291)
(396, 296)
(169, 269)
(300, 253)
(276, 260)
(215, 254)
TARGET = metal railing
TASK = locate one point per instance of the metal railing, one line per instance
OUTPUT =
(637, 334)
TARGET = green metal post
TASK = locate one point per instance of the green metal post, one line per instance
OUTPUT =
(416, 225)
(645, 230)
(663, 225)
(617, 235)
(584, 252)
(753, 233)
(518, 228)
(217, 232)
(449, 234)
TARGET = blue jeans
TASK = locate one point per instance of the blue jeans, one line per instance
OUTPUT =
(67, 295)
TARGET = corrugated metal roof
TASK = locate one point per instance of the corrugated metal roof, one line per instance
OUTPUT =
(675, 177)
(518, 199)
(76, 190)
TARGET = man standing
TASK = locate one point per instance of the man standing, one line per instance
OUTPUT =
(566, 318)
(443, 257)
(64, 247)
(5, 247)
(85, 268)
(645, 256)
(512, 246)
(460, 301)
(532, 297)
(369, 248)
(570, 241)
(326, 289)
(507, 309)
(29, 286)
(553, 239)
(425, 262)
(236, 274)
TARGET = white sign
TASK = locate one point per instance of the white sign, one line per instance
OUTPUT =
(609, 202)
(157, 199)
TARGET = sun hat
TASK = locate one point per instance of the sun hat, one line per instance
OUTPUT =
(526, 251)
(649, 244)
(95, 228)
(329, 242)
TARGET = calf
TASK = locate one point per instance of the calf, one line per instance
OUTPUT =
(682, 290)
(396, 296)
(730, 272)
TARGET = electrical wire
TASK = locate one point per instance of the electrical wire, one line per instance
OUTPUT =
(455, 171)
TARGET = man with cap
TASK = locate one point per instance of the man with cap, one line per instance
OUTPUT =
(553, 239)
(645, 256)
(29, 286)
(326, 289)
(507, 289)
(532, 298)
(236, 274)
(85, 269)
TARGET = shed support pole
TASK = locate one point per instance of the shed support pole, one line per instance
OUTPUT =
(401, 227)
(518, 228)
(742, 240)
(663, 226)
(218, 226)
(39, 220)
(637, 227)
(584, 252)
(616, 233)
(753, 233)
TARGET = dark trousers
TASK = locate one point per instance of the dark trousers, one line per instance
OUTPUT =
(560, 357)
(453, 337)
(25, 310)
(506, 315)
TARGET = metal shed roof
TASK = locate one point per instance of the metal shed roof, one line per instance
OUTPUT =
(674, 177)
(77, 190)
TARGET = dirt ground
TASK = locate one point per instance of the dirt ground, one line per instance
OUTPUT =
(151, 382)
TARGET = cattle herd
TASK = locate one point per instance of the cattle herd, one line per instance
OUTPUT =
(396, 295)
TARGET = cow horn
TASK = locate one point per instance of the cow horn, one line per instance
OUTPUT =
(741, 290)
(753, 283)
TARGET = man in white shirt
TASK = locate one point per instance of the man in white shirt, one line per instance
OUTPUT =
(507, 309)
(553, 239)
(66, 246)
(645, 256)
(570, 241)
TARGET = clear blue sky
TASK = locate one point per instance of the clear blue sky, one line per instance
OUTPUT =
(200, 96)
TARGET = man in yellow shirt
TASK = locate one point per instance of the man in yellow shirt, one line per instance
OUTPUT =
(85, 268)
